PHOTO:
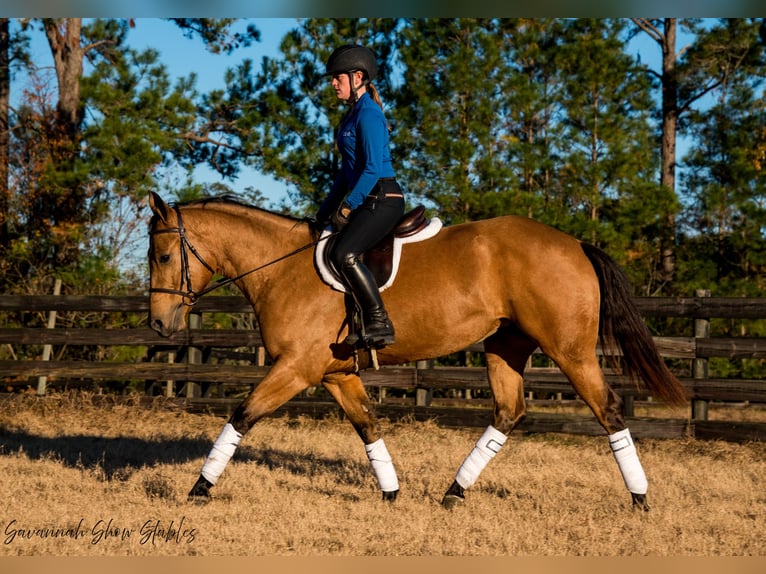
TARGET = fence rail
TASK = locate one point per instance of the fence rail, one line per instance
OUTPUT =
(189, 370)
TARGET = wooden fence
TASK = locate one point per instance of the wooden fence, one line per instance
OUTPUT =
(210, 369)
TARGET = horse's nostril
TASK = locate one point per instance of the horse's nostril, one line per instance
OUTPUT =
(156, 324)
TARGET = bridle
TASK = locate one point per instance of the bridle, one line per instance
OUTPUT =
(185, 289)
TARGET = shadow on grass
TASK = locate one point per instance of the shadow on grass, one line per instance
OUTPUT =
(118, 457)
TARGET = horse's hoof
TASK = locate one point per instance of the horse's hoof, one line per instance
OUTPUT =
(198, 500)
(390, 496)
(198, 495)
(639, 502)
(451, 501)
(200, 492)
(455, 496)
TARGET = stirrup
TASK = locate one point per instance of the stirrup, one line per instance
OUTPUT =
(380, 340)
(355, 341)
(352, 340)
(369, 341)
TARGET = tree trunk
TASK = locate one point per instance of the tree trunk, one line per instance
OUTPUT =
(668, 146)
(5, 89)
(666, 39)
(67, 195)
(68, 53)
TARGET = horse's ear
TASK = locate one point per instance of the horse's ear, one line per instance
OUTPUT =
(159, 207)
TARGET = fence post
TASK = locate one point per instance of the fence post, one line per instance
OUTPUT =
(260, 360)
(628, 405)
(42, 381)
(194, 357)
(170, 384)
(700, 365)
(423, 396)
(466, 362)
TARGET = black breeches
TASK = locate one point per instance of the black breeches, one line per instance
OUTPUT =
(367, 226)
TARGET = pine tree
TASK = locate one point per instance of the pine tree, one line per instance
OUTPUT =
(453, 141)
(726, 191)
(532, 93)
(686, 76)
(606, 161)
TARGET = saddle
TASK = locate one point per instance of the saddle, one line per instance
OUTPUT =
(383, 259)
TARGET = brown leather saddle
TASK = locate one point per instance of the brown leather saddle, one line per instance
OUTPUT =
(379, 259)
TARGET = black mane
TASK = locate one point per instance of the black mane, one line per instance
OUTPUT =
(229, 199)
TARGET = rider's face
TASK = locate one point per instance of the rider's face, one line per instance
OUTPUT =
(341, 84)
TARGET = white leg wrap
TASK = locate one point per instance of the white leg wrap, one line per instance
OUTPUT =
(627, 460)
(222, 451)
(382, 465)
(485, 450)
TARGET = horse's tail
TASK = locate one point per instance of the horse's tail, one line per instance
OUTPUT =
(621, 322)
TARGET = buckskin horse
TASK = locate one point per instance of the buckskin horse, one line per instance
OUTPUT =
(511, 282)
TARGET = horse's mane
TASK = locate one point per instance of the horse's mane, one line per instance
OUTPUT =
(232, 201)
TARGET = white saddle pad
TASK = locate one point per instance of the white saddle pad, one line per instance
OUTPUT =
(331, 279)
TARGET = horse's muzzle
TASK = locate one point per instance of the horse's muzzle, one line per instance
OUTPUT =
(169, 322)
(160, 327)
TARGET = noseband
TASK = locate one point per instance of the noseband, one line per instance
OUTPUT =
(185, 290)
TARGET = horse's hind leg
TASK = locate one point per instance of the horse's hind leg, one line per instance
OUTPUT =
(506, 353)
(588, 380)
(349, 392)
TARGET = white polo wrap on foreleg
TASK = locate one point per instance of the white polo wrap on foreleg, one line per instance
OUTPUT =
(222, 451)
(382, 465)
(485, 450)
(627, 460)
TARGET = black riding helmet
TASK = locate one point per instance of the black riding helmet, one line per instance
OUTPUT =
(350, 58)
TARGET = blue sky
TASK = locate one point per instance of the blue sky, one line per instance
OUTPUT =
(183, 56)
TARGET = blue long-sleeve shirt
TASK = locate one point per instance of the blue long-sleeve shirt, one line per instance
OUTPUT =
(365, 156)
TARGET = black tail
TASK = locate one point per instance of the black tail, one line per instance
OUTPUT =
(621, 322)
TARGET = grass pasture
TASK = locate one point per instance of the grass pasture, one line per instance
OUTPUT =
(80, 479)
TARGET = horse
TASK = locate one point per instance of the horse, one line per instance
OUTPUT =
(511, 282)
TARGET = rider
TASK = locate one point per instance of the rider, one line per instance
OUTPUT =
(365, 201)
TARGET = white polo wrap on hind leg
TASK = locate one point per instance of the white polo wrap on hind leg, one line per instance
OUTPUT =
(222, 451)
(485, 450)
(627, 460)
(382, 465)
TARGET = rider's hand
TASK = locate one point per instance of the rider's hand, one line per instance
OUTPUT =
(341, 215)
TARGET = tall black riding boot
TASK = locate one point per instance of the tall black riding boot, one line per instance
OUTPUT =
(378, 330)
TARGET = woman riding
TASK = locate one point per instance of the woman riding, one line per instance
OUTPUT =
(365, 201)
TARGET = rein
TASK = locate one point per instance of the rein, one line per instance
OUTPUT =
(190, 296)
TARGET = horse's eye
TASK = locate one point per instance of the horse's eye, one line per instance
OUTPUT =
(164, 258)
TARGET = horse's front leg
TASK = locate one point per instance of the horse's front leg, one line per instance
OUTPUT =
(282, 383)
(349, 392)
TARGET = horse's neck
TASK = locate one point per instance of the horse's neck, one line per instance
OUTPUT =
(240, 241)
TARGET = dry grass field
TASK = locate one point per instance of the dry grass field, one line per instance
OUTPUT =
(111, 480)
